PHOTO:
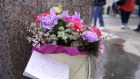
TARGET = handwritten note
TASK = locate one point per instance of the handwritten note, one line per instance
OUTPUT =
(43, 67)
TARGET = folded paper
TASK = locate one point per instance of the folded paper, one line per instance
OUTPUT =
(41, 66)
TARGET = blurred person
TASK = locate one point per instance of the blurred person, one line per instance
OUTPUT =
(98, 12)
(126, 7)
(138, 3)
(114, 8)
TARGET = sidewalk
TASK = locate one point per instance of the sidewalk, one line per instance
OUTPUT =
(132, 16)
(121, 59)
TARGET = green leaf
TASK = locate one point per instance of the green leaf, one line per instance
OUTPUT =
(61, 23)
(92, 48)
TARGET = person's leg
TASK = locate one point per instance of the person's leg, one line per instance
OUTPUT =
(95, 15)
(123, 18)
(139, 18)
(96, 12)
(139, 10)
(127, 17)
(138, 28)
(101, 16)
(92, 15)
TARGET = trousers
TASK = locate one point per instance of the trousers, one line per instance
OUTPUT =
(98, 12)
(124, 16)
(139, 17)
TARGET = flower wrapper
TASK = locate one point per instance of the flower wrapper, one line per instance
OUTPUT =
(56, 49)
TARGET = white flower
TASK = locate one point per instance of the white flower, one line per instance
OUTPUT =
(60, 34)
(53, 37)
(29, 39)
(71, 24)
(33, 24)
(54, 43)
(63, 35)
(67, 30)
(75, 44)
(61, 28)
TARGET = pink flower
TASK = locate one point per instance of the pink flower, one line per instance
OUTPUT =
(96, 30)
(37, 18)
(101, 50)
(77, 24)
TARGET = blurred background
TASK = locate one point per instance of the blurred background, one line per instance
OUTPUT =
(121, 59)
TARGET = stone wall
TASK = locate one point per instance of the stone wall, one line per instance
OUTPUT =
(15, 16)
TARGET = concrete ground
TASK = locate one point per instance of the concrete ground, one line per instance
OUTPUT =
(121, 59)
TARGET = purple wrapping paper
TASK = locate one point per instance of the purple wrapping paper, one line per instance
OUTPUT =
(56, 49)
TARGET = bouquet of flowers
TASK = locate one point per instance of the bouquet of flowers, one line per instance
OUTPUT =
(59, 32)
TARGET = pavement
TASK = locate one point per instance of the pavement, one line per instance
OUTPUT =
(121, 59)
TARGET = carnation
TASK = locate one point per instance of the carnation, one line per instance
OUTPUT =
(90, 36)
(77, 24)
(37, 18)
(96, 30)
(49, 21)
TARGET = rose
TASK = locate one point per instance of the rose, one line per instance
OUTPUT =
(96, 30)
(58, 9)
(37, 18)
(77, 24)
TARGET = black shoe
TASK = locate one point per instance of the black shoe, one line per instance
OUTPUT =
(137, 30)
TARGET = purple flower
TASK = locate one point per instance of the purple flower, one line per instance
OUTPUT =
(49, 21)
(90, 36)
(75, 17)
(63, 15)
(101, 50)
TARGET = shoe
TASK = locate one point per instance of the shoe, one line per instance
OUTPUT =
(137, 30)
(101, 28)
(125, 28)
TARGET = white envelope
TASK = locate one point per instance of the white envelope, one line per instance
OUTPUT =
(41, 66)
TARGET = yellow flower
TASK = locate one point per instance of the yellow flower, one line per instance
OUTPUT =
(58, 9)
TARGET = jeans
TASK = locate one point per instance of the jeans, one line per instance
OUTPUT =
(124, 16)
(98, 11)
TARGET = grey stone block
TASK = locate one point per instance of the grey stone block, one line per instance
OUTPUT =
(15, 17)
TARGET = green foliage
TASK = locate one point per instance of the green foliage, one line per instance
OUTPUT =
(61, 23)
(92, 47)
(62, 42)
